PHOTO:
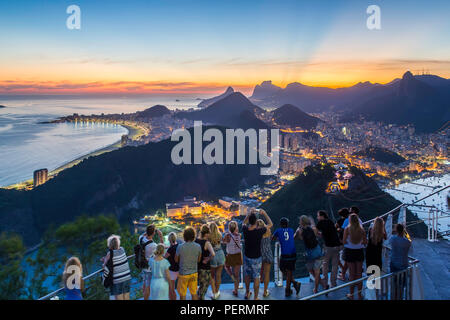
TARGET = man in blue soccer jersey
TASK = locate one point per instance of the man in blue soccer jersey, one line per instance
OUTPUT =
(285, 236)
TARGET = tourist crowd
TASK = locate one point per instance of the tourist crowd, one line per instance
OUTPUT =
(197, 262)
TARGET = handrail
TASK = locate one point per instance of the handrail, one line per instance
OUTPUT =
(412, 263)
(406, 205)
(89, 276)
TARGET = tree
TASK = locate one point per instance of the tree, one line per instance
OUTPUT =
(12, 276)
(84, 238)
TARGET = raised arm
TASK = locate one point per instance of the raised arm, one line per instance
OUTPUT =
(269, 221)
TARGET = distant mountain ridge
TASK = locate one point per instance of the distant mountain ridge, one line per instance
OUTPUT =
(292, 116)
(153, 112)
(207, 102)
(421, 100)
(234, 111)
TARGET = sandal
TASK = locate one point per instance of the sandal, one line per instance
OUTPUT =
(235, 293)
(266, 293)
(248, 295)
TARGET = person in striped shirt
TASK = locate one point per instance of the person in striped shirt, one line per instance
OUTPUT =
(120, 289)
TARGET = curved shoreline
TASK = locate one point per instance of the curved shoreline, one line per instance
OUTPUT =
(133, 133)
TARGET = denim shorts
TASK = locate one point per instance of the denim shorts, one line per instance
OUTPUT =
(146, 278)
(252, 267)
(219, 259)
(120, 288)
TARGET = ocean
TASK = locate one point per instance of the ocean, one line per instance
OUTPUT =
(27, 145)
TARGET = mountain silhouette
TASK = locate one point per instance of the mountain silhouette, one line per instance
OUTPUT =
(234, 111)
(419, 100)
(264, 90)
(207, 102)
(153, 112)
(292, 116)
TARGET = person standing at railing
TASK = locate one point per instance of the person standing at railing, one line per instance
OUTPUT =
(400, 246)
(252, 251)
(354, 243)
(285, 237)
(328, 232)
(374, 251)
(146, 241)
(233, 260)
(217, 261)
(72, 279)
(174, 267)
(313, 250)
(204, 266)
(120, 289)
(188, 255)
(160, 275)
(344, 213)
(266, 255)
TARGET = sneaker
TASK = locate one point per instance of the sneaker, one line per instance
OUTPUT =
(297, 286)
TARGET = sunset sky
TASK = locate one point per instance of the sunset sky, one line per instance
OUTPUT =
(179, 46)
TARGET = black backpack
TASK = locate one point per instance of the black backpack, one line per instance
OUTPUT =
(108, 271)
(140, 261)
(309, 238)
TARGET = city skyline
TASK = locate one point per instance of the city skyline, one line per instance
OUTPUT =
(177, 47)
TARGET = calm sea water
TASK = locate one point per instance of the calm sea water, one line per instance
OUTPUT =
(27, 145)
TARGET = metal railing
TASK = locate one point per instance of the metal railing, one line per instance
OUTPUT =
(392, 286)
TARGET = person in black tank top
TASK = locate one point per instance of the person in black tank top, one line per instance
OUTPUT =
(174, 266)
(204, 266)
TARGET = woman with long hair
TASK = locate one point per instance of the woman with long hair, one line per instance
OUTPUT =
(233, 260)
(354, 243)
(374, 250)
(267, 256)
(72, 279)
(204, 266)
(159, 286)
(174, 266)
(218, 261)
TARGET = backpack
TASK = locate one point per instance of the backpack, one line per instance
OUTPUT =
(140, 261)
(309, 237)
(108, 269)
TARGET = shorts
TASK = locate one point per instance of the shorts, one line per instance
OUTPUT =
(186, 282)
(252, 267)
(287, 262)
(146, 278)
(120, 288)
(353, 255)
(233, 260)
(173, 275)
(314, 264)
(219, 259)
